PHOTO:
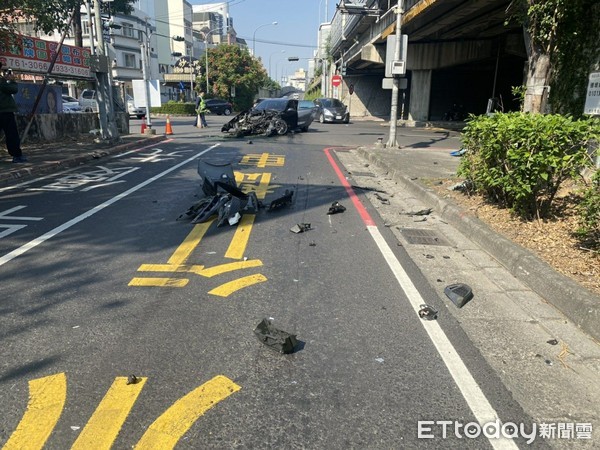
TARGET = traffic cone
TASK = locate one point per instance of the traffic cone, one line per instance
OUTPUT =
(168, 129)
(143, 130)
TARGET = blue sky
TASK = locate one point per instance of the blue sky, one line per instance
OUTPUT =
(294, 35)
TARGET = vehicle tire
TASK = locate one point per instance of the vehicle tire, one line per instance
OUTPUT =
(347, 119)
(140, 116)
(305, 129)
(226, 111)
(280, 126)
(322, 118)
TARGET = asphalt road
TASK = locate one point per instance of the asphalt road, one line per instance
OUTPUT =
(100, 282)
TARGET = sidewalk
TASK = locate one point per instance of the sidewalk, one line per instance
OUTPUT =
(411, 167)
(54, 156)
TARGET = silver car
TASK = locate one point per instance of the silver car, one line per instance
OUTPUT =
(332, 110)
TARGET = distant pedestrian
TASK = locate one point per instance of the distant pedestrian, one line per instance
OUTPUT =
(201, 110)
(8, 122)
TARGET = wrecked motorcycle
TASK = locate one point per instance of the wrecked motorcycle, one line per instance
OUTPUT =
(253, 122)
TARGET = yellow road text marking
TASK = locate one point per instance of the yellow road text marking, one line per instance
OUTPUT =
(46, 401)
(238, 244)
(263, 160)
(190, 243)
(159, 282)
(194, 268)
(106, 422)
(166, 431)
(229, 288)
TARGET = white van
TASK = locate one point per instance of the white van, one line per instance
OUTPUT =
(88, 101)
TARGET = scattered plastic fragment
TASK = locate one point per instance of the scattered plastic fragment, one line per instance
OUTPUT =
(336, 208)
(274, 338)
(459, 293)
(300, 228)
(552, 342)
(312, 244)
(427, 313)
(383, 200)
(75, 428)
(379, 360)
(132, 379)
(460, 152)
(284, 200)
(421, 212)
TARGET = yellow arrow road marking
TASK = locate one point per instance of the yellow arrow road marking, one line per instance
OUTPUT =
(238, 244)
(210, 272)
(194, 268)
(229, 288)
(46, 401)
(106, 422)
(166, 431)
(190, 243)
(159, 282)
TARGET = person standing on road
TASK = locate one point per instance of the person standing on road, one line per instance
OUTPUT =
(201, 111)
(8, 123)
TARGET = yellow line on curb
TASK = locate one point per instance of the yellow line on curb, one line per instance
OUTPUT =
(210, 272)
(159, 282)
(46, 401)
(190, 243)
(170, 427)
(238, 244)
(229, 288)
(106, 422)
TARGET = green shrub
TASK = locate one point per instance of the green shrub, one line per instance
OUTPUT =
(589, 213)
(175, 108)
(520, 160)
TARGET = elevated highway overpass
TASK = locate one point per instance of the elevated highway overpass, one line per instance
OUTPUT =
(460, 52)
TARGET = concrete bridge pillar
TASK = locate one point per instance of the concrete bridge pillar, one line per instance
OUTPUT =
(420, 93)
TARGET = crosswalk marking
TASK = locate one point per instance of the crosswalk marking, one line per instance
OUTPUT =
(166, 431)
(106, 422)
(46, 401)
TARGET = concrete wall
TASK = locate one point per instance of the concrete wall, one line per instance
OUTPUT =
(369, 99)
(54, 127)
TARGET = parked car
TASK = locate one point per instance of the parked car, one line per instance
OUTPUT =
(332, 110)
(218, 106)
(137, 111)
(307, 112)
(70, 104)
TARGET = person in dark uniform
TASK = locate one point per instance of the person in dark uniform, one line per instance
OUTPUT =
(8, 122)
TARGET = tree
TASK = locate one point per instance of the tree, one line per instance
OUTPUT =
(49, 15)
(563, 46)
(229, 66)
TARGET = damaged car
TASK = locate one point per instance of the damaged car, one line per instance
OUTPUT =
(272, 116)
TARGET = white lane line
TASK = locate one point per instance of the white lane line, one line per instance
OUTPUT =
(470, 390)
(55, 174)
(50, 234)
(472, 393)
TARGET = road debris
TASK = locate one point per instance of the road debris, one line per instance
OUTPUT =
(336, 208)
(300, 228)
(132, 379)
(274, 338)
(383, 200)
(552, 342)
(421, 212)
(459, 293)
(427, 312)
(284, 200)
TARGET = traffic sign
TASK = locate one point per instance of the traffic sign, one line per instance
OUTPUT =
(336, 80)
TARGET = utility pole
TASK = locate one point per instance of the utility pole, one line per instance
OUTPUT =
(108, 127)
(392, 142)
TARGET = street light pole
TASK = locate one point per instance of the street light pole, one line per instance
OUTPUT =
(145, 45)
(270, 73)
(254, 36)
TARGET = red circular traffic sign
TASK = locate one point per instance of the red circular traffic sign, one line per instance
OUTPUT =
(336, 80)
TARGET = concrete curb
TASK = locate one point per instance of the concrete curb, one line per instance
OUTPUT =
(25, 173)
(573, 300)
